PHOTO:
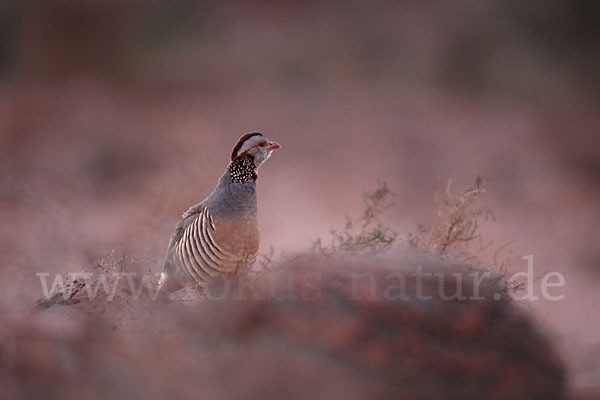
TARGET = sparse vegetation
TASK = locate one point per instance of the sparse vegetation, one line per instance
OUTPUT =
(365, 234)
(457, 220)
(454, 236)
(105, 272)
(455, 231)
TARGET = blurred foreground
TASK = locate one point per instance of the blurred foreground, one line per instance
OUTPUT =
(319, 328)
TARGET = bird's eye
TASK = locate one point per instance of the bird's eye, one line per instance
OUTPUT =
(262, 144)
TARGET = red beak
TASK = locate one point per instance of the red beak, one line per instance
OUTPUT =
(274, 145)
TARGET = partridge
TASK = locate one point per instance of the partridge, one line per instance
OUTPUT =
(219, 236)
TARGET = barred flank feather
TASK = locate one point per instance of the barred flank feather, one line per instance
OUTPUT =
(198, 253)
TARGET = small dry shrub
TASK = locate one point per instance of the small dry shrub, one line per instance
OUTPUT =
(99, 278)
(455, 233)
(366, 234)
(457, 220)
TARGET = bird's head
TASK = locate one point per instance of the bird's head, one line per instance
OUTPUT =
(256, 146)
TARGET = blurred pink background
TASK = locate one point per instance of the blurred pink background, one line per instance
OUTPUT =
(114, 118)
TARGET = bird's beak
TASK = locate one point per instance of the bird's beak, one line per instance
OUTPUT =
(274, 145)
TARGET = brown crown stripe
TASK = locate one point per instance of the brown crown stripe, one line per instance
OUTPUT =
(241, 141)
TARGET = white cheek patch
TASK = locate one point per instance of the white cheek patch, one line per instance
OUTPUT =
(251, 142)
(267, 156)
(261, 156)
